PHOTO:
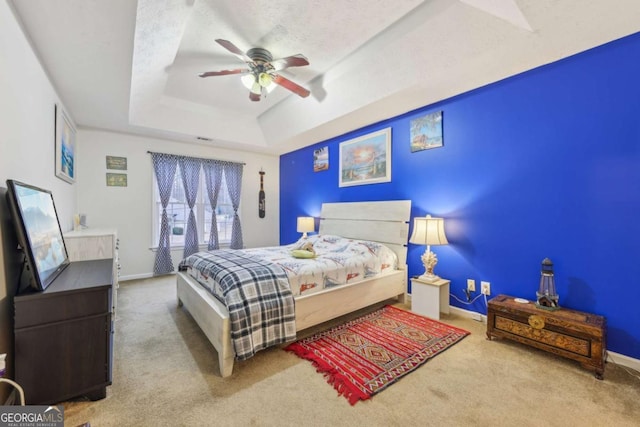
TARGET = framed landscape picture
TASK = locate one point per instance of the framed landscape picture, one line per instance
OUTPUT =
(321, 159)
(65, 146)
(366, 159)
(426, 132)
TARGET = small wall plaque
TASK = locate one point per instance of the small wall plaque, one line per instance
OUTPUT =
(116, 179)
(117, 163)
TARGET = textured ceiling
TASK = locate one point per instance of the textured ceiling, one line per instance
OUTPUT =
(133, 66)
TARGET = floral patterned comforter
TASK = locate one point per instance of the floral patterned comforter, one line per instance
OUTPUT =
(338, 261)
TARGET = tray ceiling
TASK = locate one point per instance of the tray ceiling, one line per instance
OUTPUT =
(133, 66)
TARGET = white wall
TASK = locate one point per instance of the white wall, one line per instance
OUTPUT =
(128, 209)
(27, 119)
(27, 123)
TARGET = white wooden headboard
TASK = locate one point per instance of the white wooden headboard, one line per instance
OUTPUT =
(385, 222)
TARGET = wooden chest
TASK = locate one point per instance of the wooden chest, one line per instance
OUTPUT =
(568, 333)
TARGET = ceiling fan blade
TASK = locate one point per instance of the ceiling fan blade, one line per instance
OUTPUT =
(224, 72)
(233, 49)
(254, 96)
(288, 84)
(298, 60)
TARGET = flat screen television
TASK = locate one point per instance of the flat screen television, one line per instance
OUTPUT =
(38, 231)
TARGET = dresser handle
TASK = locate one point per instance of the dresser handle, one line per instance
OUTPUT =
(536, 322)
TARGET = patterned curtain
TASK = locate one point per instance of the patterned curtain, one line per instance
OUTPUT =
(190, 170)
(164, 166)
(233, 174)
(213, 178)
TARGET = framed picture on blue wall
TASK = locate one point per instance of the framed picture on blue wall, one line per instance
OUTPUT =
(321, 159)
(426, 132)
(366, 159)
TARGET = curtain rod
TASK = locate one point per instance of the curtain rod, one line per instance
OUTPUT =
(194, 157)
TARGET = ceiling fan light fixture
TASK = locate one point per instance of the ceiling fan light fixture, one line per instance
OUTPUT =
(248, 80)
(256, 82)
(265, 79)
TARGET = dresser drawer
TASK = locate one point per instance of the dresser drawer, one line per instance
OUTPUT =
(60, 306)
(544, 336)
(90, 247)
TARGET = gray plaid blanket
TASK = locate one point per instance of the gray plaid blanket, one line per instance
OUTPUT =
(257, 296)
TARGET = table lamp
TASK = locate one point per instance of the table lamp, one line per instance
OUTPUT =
(305, 224)
(428, 231)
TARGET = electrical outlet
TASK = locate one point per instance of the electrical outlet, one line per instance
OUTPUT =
(471, 285)
(485, 288)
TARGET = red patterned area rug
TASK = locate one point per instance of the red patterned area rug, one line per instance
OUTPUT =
(368, 354)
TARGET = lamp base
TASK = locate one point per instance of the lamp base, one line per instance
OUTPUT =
(429, 260)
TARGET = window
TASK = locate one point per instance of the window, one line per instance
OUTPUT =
(178, 212)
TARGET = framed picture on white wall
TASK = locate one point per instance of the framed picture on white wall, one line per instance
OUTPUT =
(65, 146)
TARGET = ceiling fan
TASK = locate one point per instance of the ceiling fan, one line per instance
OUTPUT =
(261, 76)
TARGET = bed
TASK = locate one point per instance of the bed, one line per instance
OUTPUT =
(384, 222)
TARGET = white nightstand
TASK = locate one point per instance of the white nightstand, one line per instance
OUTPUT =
(430, 298)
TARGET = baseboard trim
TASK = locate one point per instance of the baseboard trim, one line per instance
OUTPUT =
(135, 277)
(622, 360)
(613, 357)
(468, 314)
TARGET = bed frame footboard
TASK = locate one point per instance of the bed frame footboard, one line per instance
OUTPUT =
(323, 306)
(212, 317)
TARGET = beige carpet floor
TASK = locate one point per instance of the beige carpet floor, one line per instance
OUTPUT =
(166, 374)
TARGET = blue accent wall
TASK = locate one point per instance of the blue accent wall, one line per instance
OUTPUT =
(542, 164)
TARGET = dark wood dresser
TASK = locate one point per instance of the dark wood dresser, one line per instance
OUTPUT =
(63, 335)
(567, 333)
